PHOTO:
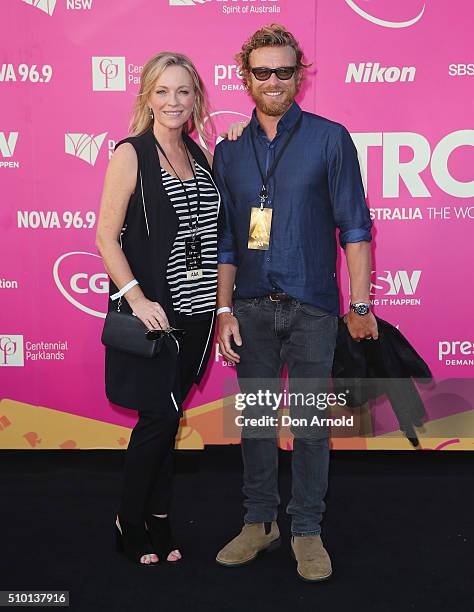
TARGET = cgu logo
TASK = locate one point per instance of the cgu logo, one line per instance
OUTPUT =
(85, 289)
(385, 23)
(409, 171)
(396, 282)
(221, 121)
(47, 6)
(8, 144)
(84, 146)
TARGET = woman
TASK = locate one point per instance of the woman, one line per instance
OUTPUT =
(157, 234)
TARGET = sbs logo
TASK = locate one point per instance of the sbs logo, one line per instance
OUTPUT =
(384, 22)
(84, 146)
(47, 6)
(81, 279)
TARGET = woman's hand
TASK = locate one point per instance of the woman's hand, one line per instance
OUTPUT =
(150, 313)
(235, 130)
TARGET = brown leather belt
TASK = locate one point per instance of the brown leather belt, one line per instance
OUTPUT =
(279, 297)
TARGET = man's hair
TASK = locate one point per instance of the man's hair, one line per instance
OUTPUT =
(273, 35)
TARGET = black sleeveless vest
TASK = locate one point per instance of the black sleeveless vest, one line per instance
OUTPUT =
(150, 228)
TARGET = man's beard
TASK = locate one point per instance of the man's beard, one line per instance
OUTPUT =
(277, 108)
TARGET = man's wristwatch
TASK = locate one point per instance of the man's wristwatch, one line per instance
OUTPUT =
(360, 308)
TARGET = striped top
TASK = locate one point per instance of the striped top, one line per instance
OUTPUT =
(199, 295)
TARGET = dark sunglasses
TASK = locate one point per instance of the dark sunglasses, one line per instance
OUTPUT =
(154, 334)
(283, 73)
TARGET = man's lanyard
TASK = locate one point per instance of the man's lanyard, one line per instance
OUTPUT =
(192, 226)
(271, 170)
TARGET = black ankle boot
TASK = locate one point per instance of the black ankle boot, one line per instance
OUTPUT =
(161, 536)
(133, 541)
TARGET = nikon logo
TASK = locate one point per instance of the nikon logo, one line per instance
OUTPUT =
(373, 72)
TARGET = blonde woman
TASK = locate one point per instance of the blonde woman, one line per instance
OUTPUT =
(157, 234)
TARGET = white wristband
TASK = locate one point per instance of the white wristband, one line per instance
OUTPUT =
(223, 309)
(128, 286)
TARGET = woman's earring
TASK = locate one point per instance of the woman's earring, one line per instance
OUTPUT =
(151, 113)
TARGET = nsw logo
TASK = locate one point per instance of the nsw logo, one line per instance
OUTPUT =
(47, 6)
(404, 22)
(11, 350)
(395, 283)
(84, 146)
(81, 279)
(108, 74)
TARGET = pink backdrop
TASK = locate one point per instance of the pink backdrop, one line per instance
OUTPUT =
(397, 75)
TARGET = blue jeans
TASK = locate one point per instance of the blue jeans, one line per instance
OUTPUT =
(303, 337)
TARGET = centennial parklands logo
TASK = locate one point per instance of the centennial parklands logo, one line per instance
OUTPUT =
(108, 74)
(404, 22)
(399, 288)
(81, 279)
(47, 6)
(11, 350)
(84, 146)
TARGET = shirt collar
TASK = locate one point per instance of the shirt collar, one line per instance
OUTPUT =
(285, 123)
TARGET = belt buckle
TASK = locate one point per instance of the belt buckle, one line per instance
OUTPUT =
(273, 297)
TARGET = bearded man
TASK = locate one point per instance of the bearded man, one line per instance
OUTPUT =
(286, 184)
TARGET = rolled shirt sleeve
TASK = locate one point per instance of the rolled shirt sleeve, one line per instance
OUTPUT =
(346, 189)
(226, 249)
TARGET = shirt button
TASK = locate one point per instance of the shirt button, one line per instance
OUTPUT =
(268, 258)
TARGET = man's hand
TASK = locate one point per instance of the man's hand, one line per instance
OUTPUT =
(361, 327)
(228, 329)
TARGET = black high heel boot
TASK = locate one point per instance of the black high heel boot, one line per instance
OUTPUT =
(161, 536)
(133, 541)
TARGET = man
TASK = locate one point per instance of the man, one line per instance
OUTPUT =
(287, 183)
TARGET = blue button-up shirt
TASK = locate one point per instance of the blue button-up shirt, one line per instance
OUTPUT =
(316, 188)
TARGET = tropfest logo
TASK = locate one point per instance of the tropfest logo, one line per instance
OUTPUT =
(417, 14)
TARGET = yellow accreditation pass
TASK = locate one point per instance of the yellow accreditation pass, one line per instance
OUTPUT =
(260, 228)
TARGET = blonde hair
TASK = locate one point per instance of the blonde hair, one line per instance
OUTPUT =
(273, 35)
(200, 119)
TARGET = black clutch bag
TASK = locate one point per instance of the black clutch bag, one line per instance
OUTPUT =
(125, 332)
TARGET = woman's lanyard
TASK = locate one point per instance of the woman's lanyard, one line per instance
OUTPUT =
(271, 170)
(192, 226)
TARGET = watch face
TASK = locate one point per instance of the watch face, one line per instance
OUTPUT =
(362, 309)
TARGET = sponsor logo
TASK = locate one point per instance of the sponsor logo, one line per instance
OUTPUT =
(79, 5)
(81, 279)
(8, 284)
(218, 358)
(461, 69)
(395, 170)
(228, 78)
(455, 352)
(384, 22)
(373, 72)
(230, 7)
(7, 149)
(47, 6)
(402, 284)
(11, 350)
(84, 146)
(222, 120)
(187, 2)
(108, 74)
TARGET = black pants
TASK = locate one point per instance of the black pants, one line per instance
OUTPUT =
(148, 467)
